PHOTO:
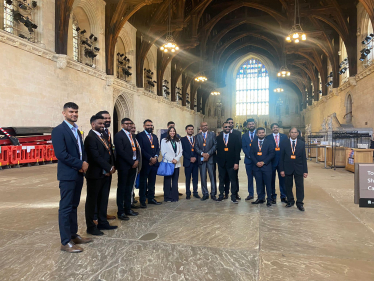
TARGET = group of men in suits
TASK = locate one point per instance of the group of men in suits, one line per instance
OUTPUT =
(96, 159)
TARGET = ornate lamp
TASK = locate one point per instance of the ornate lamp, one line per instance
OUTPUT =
(169, 45)
(215, 93)
(296, 34)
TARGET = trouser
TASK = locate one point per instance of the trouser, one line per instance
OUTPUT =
(224, 172)
(70, 194)
(124, 190)
(147, 183)
(97, 199)
(192, 170)
(249, 170)
(203, 175)
(299, 182)
(110, 183)
(263, 182)
(171, 186)
(228, 181)
(133, 187)
(282, 188)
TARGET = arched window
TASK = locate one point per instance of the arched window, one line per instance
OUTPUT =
(348, 110)
(252, 89)
(75, 40)
(8, 17)
(369, 58)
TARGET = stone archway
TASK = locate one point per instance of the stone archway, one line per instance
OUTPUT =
(122, 108)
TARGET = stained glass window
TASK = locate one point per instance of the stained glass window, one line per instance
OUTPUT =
(252, 89)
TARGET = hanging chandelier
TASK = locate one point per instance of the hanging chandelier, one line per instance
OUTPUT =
(296, 34)
(215, 93)
(170, 45)
(278, 90)
(284, 72)
(201, 78)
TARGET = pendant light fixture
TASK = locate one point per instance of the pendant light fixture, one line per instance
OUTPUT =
(169, 45)
(296, 34)
(284, 72)
(278, 89)
(201, 78)
(215, 93)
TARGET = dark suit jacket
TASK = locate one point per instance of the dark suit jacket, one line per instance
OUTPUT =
(210, 147)
(67, 152)
(277, 153)
(124, 151)
(147, 151)
(246, 141)
(290, 166)
(98, 156)
(232, 156)
(268, 153)
(187, 152)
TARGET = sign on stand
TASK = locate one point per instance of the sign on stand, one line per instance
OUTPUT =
(364, 185)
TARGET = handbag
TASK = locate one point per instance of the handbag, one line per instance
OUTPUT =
(165, 168)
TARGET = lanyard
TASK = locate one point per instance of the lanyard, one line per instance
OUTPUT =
(150, 138)
(293, 149)
(260, 146)
(204, 137)
(276, 140)
(106, 146)
(132, 141)
(192, 144)
(250, 136)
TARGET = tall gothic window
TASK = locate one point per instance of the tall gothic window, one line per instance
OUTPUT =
(8, 17)
(252, 89)
(75, 40)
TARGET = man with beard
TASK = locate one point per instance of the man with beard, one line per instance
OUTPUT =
(230, 121)
(108, 136)
(247, 141)
(99, 175)
(150, 151)
(69, 149)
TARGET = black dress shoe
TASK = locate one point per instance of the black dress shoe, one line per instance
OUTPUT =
(268, 204)
(205, 197)
(213, 198)
(133, 206)
(301, 208)
(289, 205)
(131, 213)
(238, 197)
(95, 232)
(258, 202)
(188, 197)
(220, 198)
(197, 196)
(273, 201)
(284, 200)
(249, 198)
(180, 194)
(123, 217)
(226, 196)
(143, 206)
(134, 201)
(106, 227)
(154, 202)
(234, 201)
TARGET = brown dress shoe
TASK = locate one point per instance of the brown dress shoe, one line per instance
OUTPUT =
(109, 217)
(81, 240)
(71, 248)
(96, 222)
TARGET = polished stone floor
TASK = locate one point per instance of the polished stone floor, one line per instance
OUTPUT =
(192, 240)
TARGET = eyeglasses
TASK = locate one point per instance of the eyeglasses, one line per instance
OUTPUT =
(227, 127)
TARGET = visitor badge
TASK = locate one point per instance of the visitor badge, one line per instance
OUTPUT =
(192, 149)
(152, 146)
(250, 144)
(203, 144)
(259, 153)
(277, 149)
(226, 149)
(293, 156)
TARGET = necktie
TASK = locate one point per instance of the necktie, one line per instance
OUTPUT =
(252, 136)
(226, 138)
(261, 143)
(191, 140)
(293, 144)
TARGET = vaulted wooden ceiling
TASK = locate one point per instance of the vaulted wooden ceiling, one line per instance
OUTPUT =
(220, 31)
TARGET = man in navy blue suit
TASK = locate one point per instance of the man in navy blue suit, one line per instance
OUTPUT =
(190, 163)
(262, 154)
(150, 151)
(247, 140)
(276, 138)
(69, 149)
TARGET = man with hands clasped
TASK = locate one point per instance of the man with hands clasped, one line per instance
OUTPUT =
(293, 165)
